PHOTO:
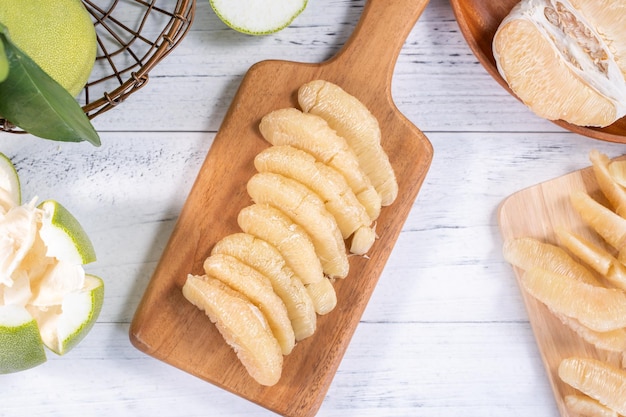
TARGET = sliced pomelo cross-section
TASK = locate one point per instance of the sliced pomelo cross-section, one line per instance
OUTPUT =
(10, 191)
(20, 342)
(258, 17)
(63, 235)
(65, 325)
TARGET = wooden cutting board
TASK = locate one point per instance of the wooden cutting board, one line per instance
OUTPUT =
(172, 330)
(536, 212)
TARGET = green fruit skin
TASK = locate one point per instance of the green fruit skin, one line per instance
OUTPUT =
(11, 351)
(63, 218)
(98, 301)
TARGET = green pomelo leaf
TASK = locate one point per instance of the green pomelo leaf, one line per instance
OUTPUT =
(33, 101)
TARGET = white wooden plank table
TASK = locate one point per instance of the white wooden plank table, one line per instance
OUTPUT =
(445, 333)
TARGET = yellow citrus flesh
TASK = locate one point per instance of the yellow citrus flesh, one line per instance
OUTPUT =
(241, 324)
(587, 406)
(57, 34)
(597, 379)
(607, 17)
(353, 121)
(599, 308)
(526, 253)
(326, 182)
(18, 227)
(612, 340)
(305, 209)
(323, 295)
(293, 243)
(312, 134)
(603, 220)
(595, 256)
(612, 190)
(617, 169)
(258, 289)
(268, 261)
(544, 80)
(21, 343)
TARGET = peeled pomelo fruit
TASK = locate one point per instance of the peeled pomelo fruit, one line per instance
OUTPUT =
(46, 299)
(63, 326)
(10, 191)
(64, 236)
(258, 17)
(21, 343)
(57, 34)
(562, 59)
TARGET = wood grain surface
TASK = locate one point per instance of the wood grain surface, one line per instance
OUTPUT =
(536, 212)
(479, 21)
(169, 328)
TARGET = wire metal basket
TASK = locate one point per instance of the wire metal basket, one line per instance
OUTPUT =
(133, 37)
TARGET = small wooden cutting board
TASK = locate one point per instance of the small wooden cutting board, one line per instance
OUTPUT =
(537, 212)
(169, 328)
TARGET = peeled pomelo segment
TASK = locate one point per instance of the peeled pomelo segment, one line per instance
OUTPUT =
(598, 258)
(312, 134)
(306, 209)
(63, 235)
(20, 342)
(323, 295)
(258, 289)
(10, 190)
(617, 170)
(599, 308)
(353, 121)
(608, 183)
(241, 324)
(293, 243)
(597, 379)
(608, 224)
(527, 252)
(587, 406)
(258, 17)
(18, 228)
(326, 182)
(267, 260)
(64, 326)
(612, 340)
(58, 280)
(558, 65)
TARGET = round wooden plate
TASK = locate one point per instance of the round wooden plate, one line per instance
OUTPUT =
(478, 21)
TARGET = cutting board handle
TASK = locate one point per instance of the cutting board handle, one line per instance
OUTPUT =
(373, 48)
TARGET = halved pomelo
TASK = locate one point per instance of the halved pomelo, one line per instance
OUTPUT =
(562, 59)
